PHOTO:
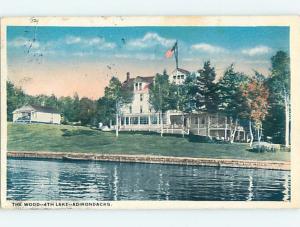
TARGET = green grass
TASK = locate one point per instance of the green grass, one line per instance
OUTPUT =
(63, 138)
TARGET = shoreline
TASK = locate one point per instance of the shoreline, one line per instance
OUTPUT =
(153, 159)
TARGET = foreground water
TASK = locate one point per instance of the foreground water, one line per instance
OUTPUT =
(85, 180)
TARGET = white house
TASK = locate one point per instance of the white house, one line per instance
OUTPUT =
(36, 114)
(139, 113)
(140, 116)
(178, 76)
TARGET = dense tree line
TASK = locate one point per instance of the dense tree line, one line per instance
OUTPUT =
(73, 109)
(260, 103)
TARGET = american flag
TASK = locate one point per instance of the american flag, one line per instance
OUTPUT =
(171, 51)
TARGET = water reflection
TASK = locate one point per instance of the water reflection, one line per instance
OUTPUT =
(58, 180)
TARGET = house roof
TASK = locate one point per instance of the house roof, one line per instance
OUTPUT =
(146, 79)
(37, 108)
(183, 71)
(45, 109)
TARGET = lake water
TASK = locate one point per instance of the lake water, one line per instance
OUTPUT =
(86, 180)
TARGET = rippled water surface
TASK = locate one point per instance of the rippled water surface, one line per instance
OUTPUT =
(85, 180)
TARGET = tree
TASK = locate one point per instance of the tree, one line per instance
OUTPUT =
(279, 98)
(161, 96)
(15, 99)
(207, 97)
(184, 96)
(256, 95)
(87, 111)
(76, 107)
(67, 108)
(232, 102)
(120, 94)
(105, 110)
(51, 101)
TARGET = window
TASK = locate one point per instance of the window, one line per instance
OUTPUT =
(127, 120)
(134, 120)
(182, 77)
(174, 77)
(140, 86)
(141, 109)
(203, 121)
(136, 86)
(141, 97)
(153, 119)
(178, 77)
(144, 120)
(194, 120)
(130, 109)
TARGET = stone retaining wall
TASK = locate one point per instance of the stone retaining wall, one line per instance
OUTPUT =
(274, 165)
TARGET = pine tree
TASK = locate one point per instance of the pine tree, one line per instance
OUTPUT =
(184, 96)
(278, 120)
(232, 102)
(206, 96)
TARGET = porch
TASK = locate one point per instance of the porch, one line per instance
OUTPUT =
(211, 125)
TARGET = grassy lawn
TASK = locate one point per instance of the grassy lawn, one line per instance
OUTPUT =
(41, 137)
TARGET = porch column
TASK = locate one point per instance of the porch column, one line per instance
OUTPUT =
(198, 124)
(225, 132)
(129, 120)
(139, 120)
(208, 126)
(149, 119)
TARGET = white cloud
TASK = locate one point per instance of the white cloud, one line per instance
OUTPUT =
(258, 50)
(137, 56)
(205, 47)
(24, 42)
(72, 40)
(150, 39)
(81, 54)
(100, 43)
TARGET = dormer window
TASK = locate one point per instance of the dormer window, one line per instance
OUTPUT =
(182, 77)
(140, 86)
(178, 77)
(174, 77)
(136, 86)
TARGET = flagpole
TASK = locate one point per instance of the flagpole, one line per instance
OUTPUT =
(176, 54)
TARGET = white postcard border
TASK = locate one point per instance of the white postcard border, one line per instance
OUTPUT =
(292, 21)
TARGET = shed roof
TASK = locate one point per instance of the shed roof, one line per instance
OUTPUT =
(43, 109)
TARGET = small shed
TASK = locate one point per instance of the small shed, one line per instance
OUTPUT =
(36, 114)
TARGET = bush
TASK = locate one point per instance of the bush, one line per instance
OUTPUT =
(263, 147)
(199, 139)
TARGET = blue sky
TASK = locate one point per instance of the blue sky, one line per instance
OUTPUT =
(82, 54)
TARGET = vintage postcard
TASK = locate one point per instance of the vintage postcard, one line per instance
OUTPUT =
(150, 112)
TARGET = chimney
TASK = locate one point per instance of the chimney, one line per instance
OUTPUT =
(127, 76)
